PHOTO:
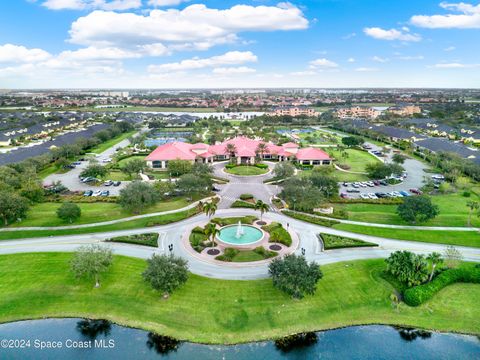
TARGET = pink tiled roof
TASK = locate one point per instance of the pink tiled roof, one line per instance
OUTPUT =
(290, 145)
(172, 151)
(312, 154)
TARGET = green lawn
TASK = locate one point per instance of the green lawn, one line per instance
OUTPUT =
(357, 159)
(122, 162)
(246, 170)
(320, 137)
(44, 214)
(453, 212)
(109, 143)
(40, 285)
(125, 225)
(459, 238)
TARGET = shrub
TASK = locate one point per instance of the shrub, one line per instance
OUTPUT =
(243, 204)
(260, 250)
(228, 254)
(278, 234)
(246, 196)
(230, 166)
(234, 220)
(149, 239)
(310, 218)
(417, 295)
(197, 239)
(261, 166)
(338, 242)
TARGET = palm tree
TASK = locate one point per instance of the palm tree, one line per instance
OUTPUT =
(472, 205)
(436, 259)
(209, 209)
(230, 150)
(260, 205)
(211, 231)
(262, 148)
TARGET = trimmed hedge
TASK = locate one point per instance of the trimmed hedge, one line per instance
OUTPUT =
(331, 242)
(149, 239)
(228, 254)
(81, 199)
(310, 218)
(278, 234)
(261, 166)
(246, 196)
(242, 204)
(230, 166)
(417, 295)
(234, 220)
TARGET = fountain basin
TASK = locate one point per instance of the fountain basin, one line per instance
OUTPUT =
(250, 235)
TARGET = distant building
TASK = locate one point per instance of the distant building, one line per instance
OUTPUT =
(355, 112)
(245, 150)
(405, 110)
(293, 111)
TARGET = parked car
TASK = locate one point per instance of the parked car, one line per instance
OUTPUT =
(370, 184)
(383, 182)
(353, 191)
(345, 183)
(97, 193)
(355, 185)
(376, 182)
(117, 183)
(344, 196)
(372, 196)
(416, 191)
(396, 194)
(404, 193)
(108, 183)
(88, 193)
(380, 195)
(364, 196)
(215, 188)
(105, 193)
(363, 184)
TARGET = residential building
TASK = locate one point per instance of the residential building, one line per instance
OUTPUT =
(354, 112)
(405, 110)
(294, 111)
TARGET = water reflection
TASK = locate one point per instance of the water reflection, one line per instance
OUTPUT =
(411, 334)
(296, 341)
(92, 328)
(162, 344)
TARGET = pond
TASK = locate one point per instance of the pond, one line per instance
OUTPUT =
(99, 339)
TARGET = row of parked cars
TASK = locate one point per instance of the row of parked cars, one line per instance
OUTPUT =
(90, 179)
(382, 195)
(96, 193)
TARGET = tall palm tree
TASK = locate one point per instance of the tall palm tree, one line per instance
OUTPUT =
(211, 231)
(436, 259)
(230, 150)
(209, 209)
(472, 205)
(262, 148)
(260, 205)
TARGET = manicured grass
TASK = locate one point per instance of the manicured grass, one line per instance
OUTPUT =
(246, 170)
(150, 239)
(356, 160)
(125, 225)
(459, 238)
(41, 285)
(453, 212)
(122, 162)
(109, 143)
(339, 242)
(44, 214)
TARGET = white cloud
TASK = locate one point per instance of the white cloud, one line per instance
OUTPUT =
(92, 53)
(392, 34)
(450, 48)
(233, 70)
(10, 53)
(469, 17)
(166, 2)
(380, 59)
(455, 66)
(196, 24)
(349, 36)
(303, 73)
(351, 60)
(366, 69)
(229, 58)
(92, 4)
(322, 63)
(411, 57)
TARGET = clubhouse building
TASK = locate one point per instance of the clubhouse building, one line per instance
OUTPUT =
(243, 149)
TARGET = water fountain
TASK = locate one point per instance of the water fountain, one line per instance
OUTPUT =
(240, 232)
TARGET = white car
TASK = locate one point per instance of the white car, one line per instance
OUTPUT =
(396, 194)
(372, 196)
(364, 196)
(370, 184)
(362, 184)
(97, 193)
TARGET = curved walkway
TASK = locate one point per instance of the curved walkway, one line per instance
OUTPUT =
(172, 234)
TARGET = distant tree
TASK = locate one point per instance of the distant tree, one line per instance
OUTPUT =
(12, 206)
(32, 189)
(262, 207)
(230, 150)
(417, 209)
(179, 167)
(90, 261)
(283, 170)
(133, 166)
(209, 208)
(300, 194)
(69, 212)
(202, 169)
(327, 184)
(352, 141)
(398, 158)
(136, 196)
(166, 273)
(435, 259)
(190, 184)
(409, 268)
(164, 188)
(452, 257)
(94, 170)
(261, 149)
(293, 275)
(472, 205)
(380, 171)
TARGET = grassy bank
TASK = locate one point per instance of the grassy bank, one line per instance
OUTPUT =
(41, 285)
(458, 238)
(109, 143)
(126, 225)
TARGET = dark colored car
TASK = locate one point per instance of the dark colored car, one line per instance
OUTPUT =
(116, 183)
(383, 182)
(353, 190)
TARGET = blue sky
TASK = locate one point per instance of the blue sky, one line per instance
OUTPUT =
(256, 43)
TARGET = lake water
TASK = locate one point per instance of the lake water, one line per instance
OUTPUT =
(87, 339)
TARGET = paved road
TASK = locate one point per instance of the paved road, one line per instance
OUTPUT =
(172, 234)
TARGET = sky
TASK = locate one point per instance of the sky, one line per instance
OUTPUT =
(239, 44)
